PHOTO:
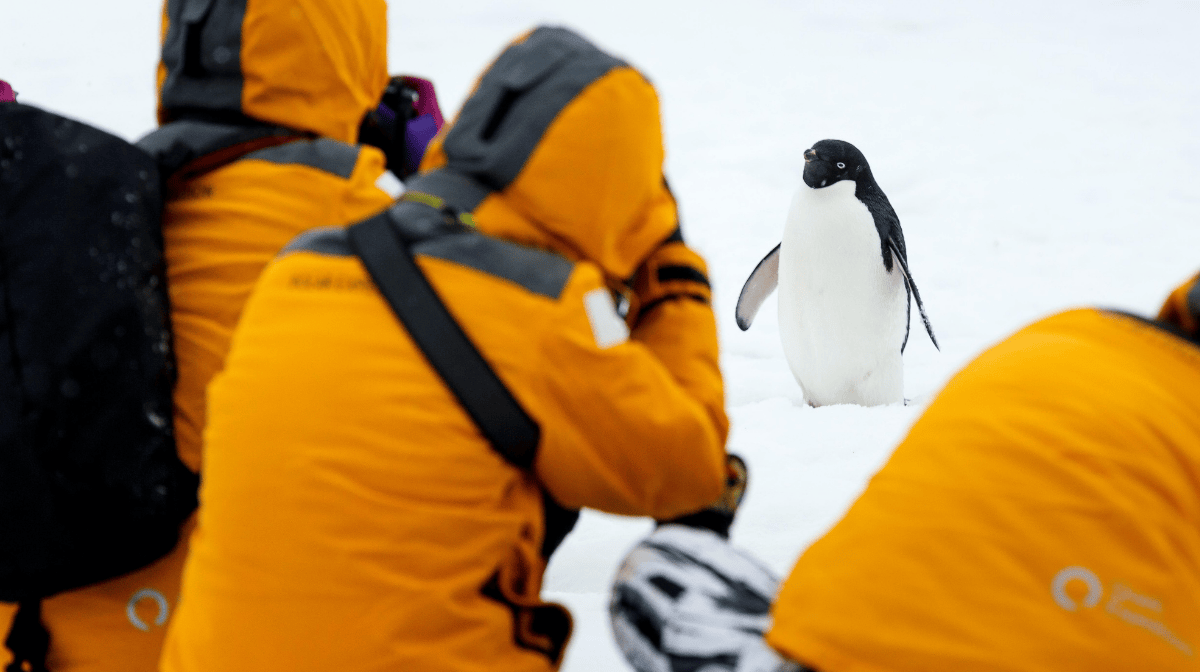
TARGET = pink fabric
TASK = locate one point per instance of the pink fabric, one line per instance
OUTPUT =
(7, 95)
(427, 102)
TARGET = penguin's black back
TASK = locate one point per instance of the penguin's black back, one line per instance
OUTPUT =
(887, 222)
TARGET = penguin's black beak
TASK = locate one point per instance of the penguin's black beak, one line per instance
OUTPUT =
(809, 155)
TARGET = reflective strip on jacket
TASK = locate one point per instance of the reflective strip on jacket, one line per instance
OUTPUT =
(1042, 515)
(353, 516)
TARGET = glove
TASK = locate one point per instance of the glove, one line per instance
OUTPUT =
(684, 599)
(1182, 308)
(719, 516)
(673, 271)
(403, 123)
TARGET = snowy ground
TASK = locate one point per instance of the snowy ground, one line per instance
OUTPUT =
(1040, 156)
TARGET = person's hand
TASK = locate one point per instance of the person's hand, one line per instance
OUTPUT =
(720, 514)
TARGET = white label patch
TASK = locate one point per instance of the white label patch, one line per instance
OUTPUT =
(389, 184)
(607, 326)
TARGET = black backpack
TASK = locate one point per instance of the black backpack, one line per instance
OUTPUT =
(90, 483)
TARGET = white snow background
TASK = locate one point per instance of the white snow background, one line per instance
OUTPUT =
(1041, 155)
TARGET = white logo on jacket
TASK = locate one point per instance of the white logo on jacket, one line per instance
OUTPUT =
(164, 609)
(1121, 598)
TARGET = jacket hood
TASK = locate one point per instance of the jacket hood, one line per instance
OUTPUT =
(311, 65)
(567, 141)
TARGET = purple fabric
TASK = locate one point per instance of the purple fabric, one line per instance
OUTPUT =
(427, 102)
(7, 95)
(386, 113)
(417, 135)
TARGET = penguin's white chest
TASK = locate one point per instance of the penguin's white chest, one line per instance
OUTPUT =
(841, 314)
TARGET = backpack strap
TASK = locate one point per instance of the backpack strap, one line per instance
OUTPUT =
(490, 404)
(28, 639)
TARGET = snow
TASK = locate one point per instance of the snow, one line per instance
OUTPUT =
(1040, 155)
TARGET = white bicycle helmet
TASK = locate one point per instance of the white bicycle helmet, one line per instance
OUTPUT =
(684, 600)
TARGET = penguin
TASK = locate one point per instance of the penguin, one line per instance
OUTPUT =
(845, 291)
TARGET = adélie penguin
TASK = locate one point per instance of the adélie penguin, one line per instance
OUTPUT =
(845, 292)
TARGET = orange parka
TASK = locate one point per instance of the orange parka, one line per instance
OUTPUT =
(260, 101)
(1043, 515)
(353, 517)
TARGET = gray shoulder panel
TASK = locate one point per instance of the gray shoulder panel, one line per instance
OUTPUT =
(325, 154)
(178, 143)
(516, 101)
(540, 272)
(328, 240)
(202, 54)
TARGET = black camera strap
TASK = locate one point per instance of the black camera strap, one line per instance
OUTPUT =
(447, 348)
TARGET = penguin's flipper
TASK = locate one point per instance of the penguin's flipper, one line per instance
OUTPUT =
(910, 284)
(758, 287)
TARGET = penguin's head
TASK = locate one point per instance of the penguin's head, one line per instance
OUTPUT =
(831, 161)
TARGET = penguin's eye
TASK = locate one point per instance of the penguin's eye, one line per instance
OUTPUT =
(840, 165)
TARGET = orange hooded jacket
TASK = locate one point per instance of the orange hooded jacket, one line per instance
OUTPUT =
(281, 87)
(353, 516)
(1043, 515)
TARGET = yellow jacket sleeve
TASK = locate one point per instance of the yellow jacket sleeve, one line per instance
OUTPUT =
(645, 427)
